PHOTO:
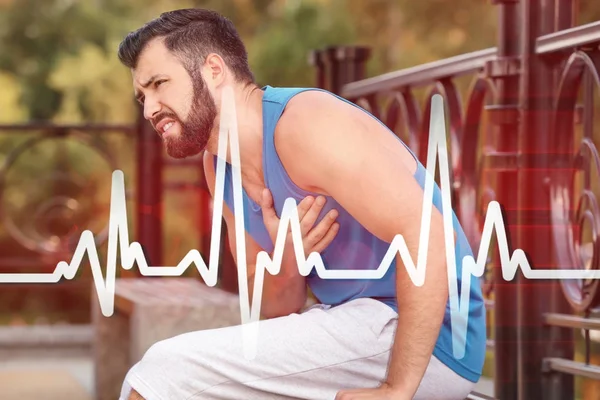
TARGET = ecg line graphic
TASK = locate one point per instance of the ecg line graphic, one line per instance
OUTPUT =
(132, 253)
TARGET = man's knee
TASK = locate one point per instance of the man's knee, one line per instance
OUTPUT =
(160, 352)
(162, 356)
(174, 349)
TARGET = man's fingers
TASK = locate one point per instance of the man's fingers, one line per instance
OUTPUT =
(348, 394)
(309, 210)
(312, 214)
(320, 231)
(304, 206)
(268, 210)
(327, 239)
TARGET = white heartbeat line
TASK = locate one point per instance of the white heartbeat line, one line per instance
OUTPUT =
(132, 252)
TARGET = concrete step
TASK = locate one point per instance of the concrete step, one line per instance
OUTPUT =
(45, 340)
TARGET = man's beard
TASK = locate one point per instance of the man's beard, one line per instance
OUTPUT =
(195, 131)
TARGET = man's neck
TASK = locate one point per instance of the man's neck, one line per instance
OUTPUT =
(248, 105)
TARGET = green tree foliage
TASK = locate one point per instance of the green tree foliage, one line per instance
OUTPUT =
(34, 36)
(449, 29)
(279, 50)
(10, 108)
(587, 11)
(94, 86)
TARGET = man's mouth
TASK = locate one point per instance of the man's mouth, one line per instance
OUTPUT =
(167, 126)
(164, 126)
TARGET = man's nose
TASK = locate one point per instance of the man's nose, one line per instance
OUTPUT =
(151, 108)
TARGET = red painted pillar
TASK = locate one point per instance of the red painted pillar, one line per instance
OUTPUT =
(536, 297)
(501, 160)
(337, 66)
(149, 207)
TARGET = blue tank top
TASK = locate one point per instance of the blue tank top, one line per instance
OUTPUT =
(355, 247)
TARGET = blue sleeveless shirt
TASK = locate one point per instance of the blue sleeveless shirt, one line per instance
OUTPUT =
(356, 248)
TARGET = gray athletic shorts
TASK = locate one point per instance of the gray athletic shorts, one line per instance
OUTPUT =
(311, 355)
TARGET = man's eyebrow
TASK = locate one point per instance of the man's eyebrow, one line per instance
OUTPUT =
(149, 81)
(138, 95)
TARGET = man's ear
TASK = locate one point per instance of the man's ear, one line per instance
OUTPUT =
(214, 70)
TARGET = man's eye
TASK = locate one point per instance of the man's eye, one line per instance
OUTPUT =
(158, 83)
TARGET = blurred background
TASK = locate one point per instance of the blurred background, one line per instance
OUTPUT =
(68, 120)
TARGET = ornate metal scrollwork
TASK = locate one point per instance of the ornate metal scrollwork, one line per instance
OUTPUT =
(46, 207)
(572, 249)
(403, 107)
(472, 192)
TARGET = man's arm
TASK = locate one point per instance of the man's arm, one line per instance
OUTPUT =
(284, 293)
(354, 159)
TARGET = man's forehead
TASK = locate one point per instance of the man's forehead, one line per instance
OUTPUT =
(154, 59)
(143, 75)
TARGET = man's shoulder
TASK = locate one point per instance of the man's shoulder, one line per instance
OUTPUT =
(317, 126)
(310, 99)
(308, 120)
(310, 109)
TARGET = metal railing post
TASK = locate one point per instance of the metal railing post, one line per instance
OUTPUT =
(337, 66)
(535, 297)
(149, 207)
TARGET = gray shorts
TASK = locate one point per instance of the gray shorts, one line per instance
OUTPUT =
(311, 355)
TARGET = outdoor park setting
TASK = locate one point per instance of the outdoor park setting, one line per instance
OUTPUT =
(519, 81)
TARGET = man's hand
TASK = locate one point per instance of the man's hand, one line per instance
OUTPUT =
(286, 291)
(313, 238)
(384, 392)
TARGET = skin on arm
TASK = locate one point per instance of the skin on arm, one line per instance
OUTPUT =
(284, 293)
(351, 153)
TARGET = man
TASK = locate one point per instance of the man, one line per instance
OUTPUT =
(357, 186)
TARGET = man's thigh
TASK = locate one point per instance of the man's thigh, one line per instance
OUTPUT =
(311, 355)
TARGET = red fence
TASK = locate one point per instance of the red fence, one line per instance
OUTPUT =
(523, 136)
(39, 231)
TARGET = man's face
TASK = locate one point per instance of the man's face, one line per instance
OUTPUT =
(179, 106)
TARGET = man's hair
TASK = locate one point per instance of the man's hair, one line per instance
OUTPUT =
(191, 34)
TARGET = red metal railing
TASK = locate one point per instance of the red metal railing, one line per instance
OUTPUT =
(515, 140)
